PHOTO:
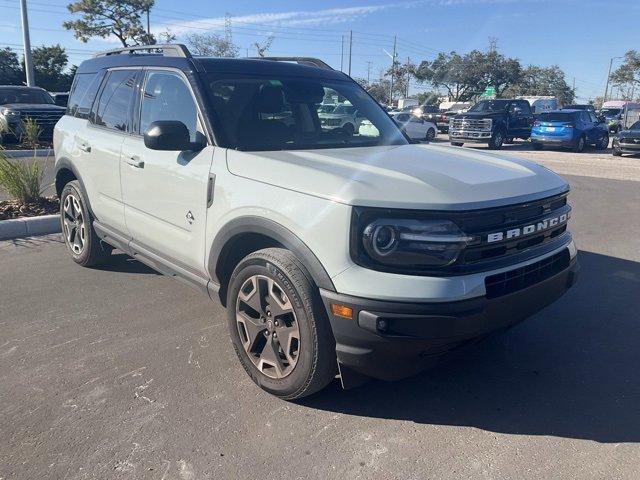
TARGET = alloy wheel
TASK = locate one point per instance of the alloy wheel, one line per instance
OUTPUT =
(75, 232)
(268, 326)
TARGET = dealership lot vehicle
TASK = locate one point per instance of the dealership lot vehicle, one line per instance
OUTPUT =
(415, 127)
(627, 141)
(570, 129)
(385, 281)
(18, 104)
(493, 122)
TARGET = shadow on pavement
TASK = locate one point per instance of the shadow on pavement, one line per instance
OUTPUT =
(120, 262)
(571, 371)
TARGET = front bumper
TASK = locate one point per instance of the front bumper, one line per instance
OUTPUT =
(633, 148)
(478, 136)
(392, 340)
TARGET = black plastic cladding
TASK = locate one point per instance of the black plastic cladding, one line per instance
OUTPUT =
(479, 257)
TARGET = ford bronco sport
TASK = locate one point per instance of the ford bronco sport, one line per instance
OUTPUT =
(334, 253)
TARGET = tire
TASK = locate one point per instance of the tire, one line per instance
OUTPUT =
(431, 135)
(291, 299)
(536, 145)
(603, 144)
(349, 129)
(80, 238)
(508, 140)
(457, 144)
(616, 152)
(496, 140)
(580, 144)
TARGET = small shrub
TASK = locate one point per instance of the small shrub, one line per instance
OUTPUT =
(22, 181)
(31, 132)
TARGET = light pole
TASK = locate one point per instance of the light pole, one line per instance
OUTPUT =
(28, 62)
(606, 87)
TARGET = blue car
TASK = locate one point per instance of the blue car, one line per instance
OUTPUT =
(573, 129)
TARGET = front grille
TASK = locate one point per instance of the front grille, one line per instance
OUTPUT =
(524, 277)
(472, 124)
(44, 118)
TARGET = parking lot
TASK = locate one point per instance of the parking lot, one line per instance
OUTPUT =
(122, 373)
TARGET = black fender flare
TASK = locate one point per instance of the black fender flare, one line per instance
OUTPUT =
(66, 164)
(281, 234)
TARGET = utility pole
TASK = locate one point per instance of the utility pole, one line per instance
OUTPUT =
(368, 72)
(342, 53)
(393, 68)
(606, 87)
(574, 84)
(408, 78)
(149, 23)
(350, 47)
(28, 61)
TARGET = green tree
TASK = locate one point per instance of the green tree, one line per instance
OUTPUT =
(10, 70)
(464, 77)
(49, 64)
(628, 74)
(543, 81)
(103, 18)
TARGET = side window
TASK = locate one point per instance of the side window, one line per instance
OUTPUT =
(525, 107)
(83, 93)
(584, 116)
(114, 106)
(593, 118)
(415, 119)
(168, 97)
(403, 117)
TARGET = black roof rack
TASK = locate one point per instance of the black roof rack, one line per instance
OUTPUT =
(168, 50)
(314, 62)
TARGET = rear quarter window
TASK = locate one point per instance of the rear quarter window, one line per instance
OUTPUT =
(83, 93)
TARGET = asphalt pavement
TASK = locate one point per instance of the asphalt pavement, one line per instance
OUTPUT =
(120, 372)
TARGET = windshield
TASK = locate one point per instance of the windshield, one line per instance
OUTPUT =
(255, 114)
(556, 117)
(489, 106)
(610, 112)
(24, 95)
(326, 108)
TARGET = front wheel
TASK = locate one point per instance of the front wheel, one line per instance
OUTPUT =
(278, 325)
(457, 144)
(496, 141)
(83, 244)
(616, 152)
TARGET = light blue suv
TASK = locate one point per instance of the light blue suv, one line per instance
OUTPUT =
(573, 129)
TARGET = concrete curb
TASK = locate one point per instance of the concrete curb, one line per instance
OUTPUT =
(29, 226)
(39, 153)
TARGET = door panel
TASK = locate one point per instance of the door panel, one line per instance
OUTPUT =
(165, 197)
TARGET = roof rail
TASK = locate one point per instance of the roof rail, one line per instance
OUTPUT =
(314, 62)
(167, 50)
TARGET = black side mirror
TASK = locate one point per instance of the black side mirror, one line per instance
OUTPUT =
(170, 135)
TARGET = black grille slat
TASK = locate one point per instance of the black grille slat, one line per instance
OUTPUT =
(524, 277)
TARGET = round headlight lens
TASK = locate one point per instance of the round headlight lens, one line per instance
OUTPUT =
(384, 239)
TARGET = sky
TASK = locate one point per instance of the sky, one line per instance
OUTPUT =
(581, 36)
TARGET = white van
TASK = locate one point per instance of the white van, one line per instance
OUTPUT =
(541, 104)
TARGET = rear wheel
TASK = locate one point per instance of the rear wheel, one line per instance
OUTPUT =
(536, 145)
(496, 141)
(580, 144)
(616, 152)
(83, 244)
(431, 134)
(278, 325)
(603, 144)
(508, 140)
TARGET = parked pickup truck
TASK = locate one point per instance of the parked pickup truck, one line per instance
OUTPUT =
(493, 122)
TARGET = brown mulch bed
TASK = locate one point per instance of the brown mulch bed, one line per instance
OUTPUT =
(19, 146)
(14, 209)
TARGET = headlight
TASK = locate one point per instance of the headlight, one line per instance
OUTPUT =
(398, 243)
(10, 113)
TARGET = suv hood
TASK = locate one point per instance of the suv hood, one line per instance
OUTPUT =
(406, 176)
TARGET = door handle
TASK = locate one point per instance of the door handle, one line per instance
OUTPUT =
(135, 161)
(85, 147)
